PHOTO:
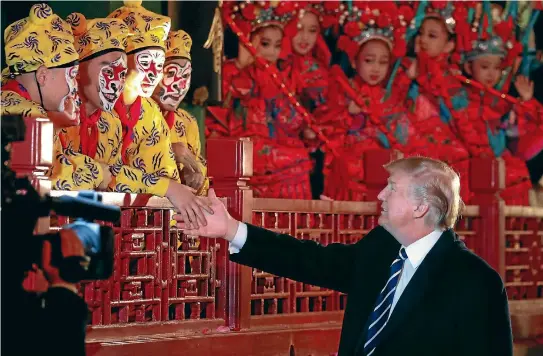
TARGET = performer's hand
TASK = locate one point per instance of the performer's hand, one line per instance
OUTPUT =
(107, 177)
(190, 207)
(220, 224)
(525, 87)
(244, 57)
(68, 117)
(185, 157)
(193, 179)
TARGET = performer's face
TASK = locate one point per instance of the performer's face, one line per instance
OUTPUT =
(487, 70)
(306, 37)
(148, 66)
(373, 62)
(397, 207)
(103, 78)
(267, 42)
(174, 85)
(56, 85)
(433, 38)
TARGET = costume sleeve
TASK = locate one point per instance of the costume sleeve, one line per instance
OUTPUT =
(178, 132)
(195, 146)
(151, 164)
(529, 116)
(71, 170)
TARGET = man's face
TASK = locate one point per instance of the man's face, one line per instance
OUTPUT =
(397, 206)
(103, 78)
(148, 65)
(174, 85)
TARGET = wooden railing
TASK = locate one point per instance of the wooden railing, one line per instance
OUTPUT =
(172, 291)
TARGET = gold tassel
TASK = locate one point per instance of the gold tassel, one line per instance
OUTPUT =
(215, 40)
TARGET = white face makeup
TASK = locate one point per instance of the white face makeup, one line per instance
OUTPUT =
(175, 84)
(111, 82)
(71, 75)
(150, 64)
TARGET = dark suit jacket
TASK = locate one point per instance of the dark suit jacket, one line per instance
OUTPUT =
(455, 304)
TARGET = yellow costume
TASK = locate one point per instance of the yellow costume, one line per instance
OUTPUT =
(185, 127)
(185, 130)
(147, 163)
(94, 38)
(43, 38)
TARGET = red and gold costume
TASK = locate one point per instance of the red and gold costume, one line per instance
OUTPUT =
(483, 124)
(376, 123)
(309, 72)
(262, 112)
(428, 99)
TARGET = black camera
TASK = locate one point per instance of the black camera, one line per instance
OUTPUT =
(22, 206)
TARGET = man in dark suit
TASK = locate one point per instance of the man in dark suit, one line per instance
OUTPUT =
(414, 288)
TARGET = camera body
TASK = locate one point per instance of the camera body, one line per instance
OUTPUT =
(22, 206)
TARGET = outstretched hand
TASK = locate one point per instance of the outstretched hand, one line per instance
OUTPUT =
(525, 87)
(220, 224)
(190, 207)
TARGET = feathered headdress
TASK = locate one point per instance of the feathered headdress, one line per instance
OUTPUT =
(443, 10)
(487, 38)
(250, 16)
(328, 12)
(375, 21)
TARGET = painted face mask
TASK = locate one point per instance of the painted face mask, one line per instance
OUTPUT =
(71, 75)
(150, 64)
(175, 84)
(111, 83)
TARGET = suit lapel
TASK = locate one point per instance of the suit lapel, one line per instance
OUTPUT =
(421, 282)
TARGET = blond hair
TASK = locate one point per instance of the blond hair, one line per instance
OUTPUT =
(435, 184)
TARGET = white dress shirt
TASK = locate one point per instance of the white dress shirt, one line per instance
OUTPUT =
(415, 255)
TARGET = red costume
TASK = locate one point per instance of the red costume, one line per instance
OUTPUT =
(372, 123)
(261, 111)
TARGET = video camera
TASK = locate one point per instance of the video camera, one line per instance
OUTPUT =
(22, 206)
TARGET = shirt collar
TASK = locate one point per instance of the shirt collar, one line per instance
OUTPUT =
(420, 248)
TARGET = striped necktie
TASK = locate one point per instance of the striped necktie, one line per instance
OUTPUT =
(381, 312)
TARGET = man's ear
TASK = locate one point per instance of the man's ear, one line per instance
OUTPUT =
(420, 211)
(449, 47)
(42, 74)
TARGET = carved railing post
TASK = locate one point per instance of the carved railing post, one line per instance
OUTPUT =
(487, 178)
(33, 157)
(375, 175)
(230, 163)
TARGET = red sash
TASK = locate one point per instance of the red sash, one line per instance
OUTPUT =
(129, 119)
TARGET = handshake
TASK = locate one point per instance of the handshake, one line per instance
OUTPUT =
(215, 221)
